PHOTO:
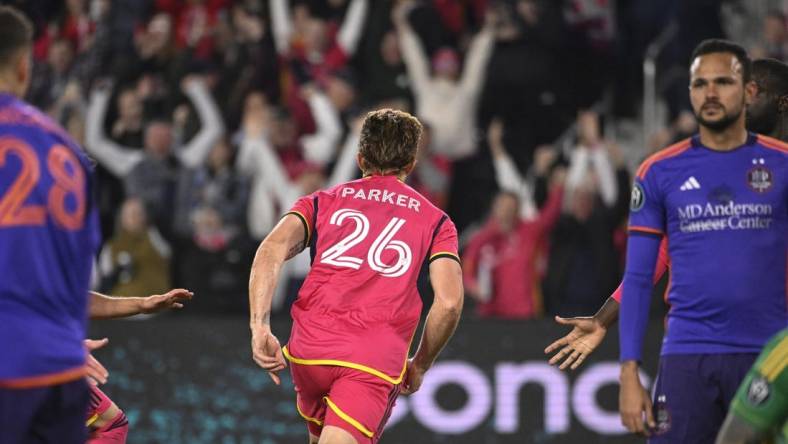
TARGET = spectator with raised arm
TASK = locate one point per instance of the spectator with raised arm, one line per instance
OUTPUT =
(247, 61)
(264, 157)
(500, 261)
(507, 175)
(584, 266)
(315, 47)
(590, 157)
(150, 173)
(446, 98)
(275, 188)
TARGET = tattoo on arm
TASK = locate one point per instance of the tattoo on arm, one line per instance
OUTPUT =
(295, 249)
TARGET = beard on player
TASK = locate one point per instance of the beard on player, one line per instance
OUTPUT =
(723, 122)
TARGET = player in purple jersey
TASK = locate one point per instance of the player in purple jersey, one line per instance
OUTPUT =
(767, 114)
(721, 199)
(48, 236)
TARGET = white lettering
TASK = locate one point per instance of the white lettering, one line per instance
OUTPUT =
(413, 204)
(584, 398)
(347, 191)
(359, 195)
(388, 197)
(510, 378)
(374, 195)
(401, 200)
(560, 404)
(427, 410)
(729, 216)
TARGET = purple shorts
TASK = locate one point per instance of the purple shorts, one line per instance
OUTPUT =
(692, 394)
(54, 414)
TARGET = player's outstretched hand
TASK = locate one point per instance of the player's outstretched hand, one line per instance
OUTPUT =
(586, 335)
(634, 404)
(173, 299)
(267, 353)
(414, 376)
(97, 374)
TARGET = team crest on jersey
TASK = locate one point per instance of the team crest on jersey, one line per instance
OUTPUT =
(759, 179)
(638, 198)
(759, 391)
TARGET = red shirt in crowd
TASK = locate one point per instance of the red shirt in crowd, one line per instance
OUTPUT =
(511, 258)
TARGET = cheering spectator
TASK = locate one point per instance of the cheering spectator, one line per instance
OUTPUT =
(506, 174)
(500, 260)
(248, 61)
(211, 188)
(305, 38)
(150, 173)
(266, 138)
(445, 100)
(311, 53)
(583, 267)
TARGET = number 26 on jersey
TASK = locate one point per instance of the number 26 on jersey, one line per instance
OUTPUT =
(335, 255)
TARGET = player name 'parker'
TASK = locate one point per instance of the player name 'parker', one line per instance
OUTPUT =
(384, 196)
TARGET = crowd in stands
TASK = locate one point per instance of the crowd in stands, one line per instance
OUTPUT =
(209, 118)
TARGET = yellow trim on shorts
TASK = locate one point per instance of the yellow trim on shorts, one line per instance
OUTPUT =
(776, 362)
(347, 418)
(91, 420)
(308, 418)
(353, 365)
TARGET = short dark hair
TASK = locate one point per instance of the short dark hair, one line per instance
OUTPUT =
(16, 33)
(389, 140)
(711, 46)
(772, 75)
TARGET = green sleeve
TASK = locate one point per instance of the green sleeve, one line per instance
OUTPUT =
(762, 399)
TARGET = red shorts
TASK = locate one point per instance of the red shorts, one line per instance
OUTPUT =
(99, 403)
(355, 401)
(114, 431)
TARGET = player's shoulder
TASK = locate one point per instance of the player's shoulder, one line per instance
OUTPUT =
(670, 153)
(23, 120)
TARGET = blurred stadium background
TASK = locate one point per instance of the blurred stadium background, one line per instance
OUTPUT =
(207, 118)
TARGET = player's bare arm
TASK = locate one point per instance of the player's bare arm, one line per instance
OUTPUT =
(442, 320)
(586, 335)
(108, 307)
(634, 402)
(284, 242)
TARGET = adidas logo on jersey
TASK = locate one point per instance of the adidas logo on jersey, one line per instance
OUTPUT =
(690, 184)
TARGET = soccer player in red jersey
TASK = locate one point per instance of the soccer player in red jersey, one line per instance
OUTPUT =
(358, 309)
(767, 114)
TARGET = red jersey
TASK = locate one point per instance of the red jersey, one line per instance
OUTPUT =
(663, 263)
(359, 307)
